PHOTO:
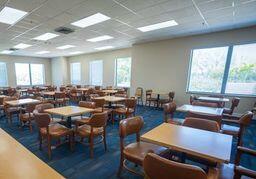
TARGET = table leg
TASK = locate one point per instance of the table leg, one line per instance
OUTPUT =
(69, 122)
(157, 102)
(109, 104)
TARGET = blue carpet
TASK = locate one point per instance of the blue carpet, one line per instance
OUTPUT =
(78, 164)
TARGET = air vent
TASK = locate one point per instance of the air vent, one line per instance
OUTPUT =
(64, 30)
(13, 49)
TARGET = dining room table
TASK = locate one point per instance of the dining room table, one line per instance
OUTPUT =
(22, 102)
(111, 99)
(68, 112)
(211, 146)
(200, 109)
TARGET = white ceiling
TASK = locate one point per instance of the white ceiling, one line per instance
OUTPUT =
(193, 17)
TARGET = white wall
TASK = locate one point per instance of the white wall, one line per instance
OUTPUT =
(60, 72)
(163, 65)
(10, 63)
(108, 64)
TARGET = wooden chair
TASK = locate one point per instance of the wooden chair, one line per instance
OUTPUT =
(1, 105)
(74, 95)
(95, 126)
(86, 104)
(229, 111)
(139, 95)
(170, 99)
(49, 131)
(238, 127)
(157, 167)
(169, 110)
(127, 111)
(192, 98)
(60, 99)
(99, 107)
(134, 152)
(62, 88)
(202, 124)
(97, 87)
(216, 118)
(27, 116)
(150, 99)
(10, 110)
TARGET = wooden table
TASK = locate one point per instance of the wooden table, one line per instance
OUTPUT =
(200, 109)
(48, 93)
(18, 162)
(82, 89)
(111, 99)
(212, 146)
(68, 112)
(158, 94)
(109, 91)
(21, 102)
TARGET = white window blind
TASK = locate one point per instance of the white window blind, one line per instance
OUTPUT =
(3, 74)
(123, 72)
(96, 72)
(75, 72)
(37, 74)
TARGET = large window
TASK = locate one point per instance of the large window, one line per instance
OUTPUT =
(75, 72)
(29, 74)
(3, 75)
(224, 70)
(123, 72)
(96, 72)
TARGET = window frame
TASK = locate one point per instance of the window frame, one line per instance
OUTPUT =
(90, 73)
(71, 73)
(6, 74)
(226, 71)
(30, 77)
(116, 72)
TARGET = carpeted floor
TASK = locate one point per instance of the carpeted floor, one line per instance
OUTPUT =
(78, 164)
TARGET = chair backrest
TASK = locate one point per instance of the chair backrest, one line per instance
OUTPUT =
(207, 104)
(131, 125)
(90, 91)
(62, 88)
(158, 167)
(139, 92)
(171, 95)
(98, 120)
(87, 104)
(99, 103)
(130, 103)
(78, 86)
(246, 118)
(42, 119)
(60, 95)
(235, 102)
(202, 124)
(192, 98)
(169, 109)
(30, 108)
(97, 87)
(109, 87)
(41, 107)
(149, 93)
(215, 118)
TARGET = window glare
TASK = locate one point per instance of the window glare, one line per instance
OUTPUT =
(123, 72)
(96, 72)
(37, 74)
(22, 74)
(75, 73)
(3, 75)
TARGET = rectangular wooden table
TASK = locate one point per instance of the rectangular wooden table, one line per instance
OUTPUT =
(212, 99)
(211, 146)
(200, 109)
(110, 91)
(18, 162)
(21, 102)
(68, 112)
(111, 99)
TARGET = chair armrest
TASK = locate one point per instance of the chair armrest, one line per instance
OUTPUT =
(244, 171)
(246, 150)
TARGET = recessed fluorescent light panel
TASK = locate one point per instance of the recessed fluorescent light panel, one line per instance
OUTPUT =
(158, 26)
(65, 47)
(10, 15)
(6, 51)
(42, 52)
(75, 53)
(100, 38)
(46, 36)
(22, 46)
(104, 48)
(91, 20)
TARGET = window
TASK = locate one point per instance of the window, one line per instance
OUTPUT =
(75, 72)
(29, 74)
(3, 74)
(96, 72)
(123, 72)
(224, 70)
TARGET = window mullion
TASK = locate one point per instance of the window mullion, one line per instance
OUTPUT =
(30, 77)
(226, 71)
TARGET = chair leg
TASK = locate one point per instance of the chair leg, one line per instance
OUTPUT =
(40, 142)
(104, 140)
(91, 145)
(49, 147)
(121, 165)
(30, 126)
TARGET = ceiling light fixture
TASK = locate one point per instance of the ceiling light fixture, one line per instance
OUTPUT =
(104, 48)
(42, 52)
(6, 51)
(75, 53)
(65, 47)
(10, 15)
(46, 36)
(158, 26)
(91, 20)
(22, 46)
(100, 38)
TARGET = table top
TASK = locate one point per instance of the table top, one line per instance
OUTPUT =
(200, 109)
(212, 99)
(211, 146)
(68, 111)
(48, 93)
(23, 90)
(18, 162)
(111, 98)
(20, 102)
(82, 89)
(110, 91)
